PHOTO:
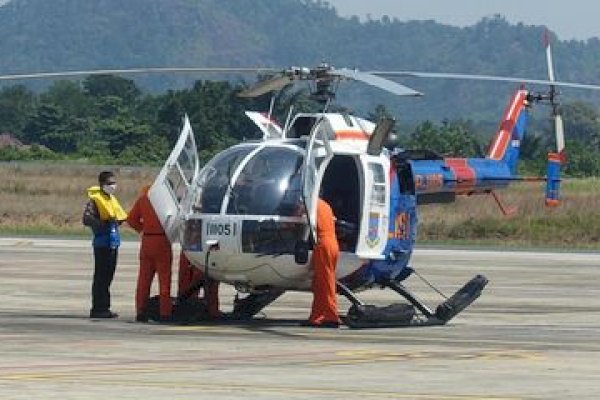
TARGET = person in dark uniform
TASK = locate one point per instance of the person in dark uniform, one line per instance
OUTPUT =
(103, 214)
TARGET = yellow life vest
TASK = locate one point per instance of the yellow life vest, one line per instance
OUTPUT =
(107, 204)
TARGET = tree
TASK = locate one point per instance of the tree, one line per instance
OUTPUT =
(17, 104)
(70, 97)
(582, 123)
(582, 160)
(451, 139)
(110, 85)
(379, 112)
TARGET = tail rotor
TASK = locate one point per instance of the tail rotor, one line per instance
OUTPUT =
(558, 158)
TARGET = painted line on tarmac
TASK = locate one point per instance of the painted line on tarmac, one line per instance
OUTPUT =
(289, 390)
(342, 357)
(148, 365)
(348, 335)
(376, 356)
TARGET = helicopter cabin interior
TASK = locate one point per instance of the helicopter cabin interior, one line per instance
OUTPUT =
(341, 189)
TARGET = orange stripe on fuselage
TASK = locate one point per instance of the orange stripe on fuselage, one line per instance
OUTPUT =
(463, 173)
(355, 135)
(509, 119)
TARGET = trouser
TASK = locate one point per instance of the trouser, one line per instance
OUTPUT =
(188, 275)
(324, 306)
(105, 264)
(155, 258)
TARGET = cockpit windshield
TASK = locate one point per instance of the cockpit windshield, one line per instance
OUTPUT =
(269, 184)
(216, 178)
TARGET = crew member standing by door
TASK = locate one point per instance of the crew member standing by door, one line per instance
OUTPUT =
(156, 257)
(325, 255)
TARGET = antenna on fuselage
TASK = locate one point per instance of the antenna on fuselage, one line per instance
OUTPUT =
(272, 105)
(288, 119)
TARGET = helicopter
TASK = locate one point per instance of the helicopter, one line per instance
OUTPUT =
(247, 217)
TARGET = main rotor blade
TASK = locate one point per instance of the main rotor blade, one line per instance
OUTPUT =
(377, 81)
(266, 86)
(493, 78)
(151, 70)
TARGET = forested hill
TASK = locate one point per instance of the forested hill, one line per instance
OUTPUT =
(52, 35)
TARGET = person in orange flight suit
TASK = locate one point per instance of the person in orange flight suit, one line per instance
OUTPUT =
(324, 259)
(155, 258)
(188, 274)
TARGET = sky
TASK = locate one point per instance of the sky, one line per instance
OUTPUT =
(571, 19)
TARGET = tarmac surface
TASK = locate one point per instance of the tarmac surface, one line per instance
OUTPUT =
(533, 334)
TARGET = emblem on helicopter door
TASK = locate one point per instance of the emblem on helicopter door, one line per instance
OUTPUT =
(373, 232)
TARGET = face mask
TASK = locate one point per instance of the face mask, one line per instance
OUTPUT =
(109, 189)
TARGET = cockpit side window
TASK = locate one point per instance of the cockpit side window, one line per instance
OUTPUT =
(218, 178)
(269, 184)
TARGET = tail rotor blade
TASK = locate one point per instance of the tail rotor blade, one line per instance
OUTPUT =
(558, 122)
(549, 57)
(560, 133)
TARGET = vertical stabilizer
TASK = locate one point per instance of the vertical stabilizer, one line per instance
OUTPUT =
(507, 142)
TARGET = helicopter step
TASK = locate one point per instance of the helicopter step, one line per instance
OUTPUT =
(414, 314)
(189, 310)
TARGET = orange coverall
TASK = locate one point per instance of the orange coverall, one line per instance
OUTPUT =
(324, 259)
(188, 275)
(155, 256)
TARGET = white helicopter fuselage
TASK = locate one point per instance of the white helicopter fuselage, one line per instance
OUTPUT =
(241, 216)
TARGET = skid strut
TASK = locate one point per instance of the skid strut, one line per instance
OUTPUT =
(361, 315)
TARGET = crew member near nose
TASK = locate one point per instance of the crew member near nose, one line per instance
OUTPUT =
(155, 258)
(324, 259)
(103, 214)
(189, 277)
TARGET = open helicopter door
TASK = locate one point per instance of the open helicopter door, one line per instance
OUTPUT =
(375, 207)
(317, 156)
(171, 191)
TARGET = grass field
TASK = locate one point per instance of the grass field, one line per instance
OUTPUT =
(48, 199)
(574, 224)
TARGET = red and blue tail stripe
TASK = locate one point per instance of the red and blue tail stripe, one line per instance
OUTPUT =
(506, 144)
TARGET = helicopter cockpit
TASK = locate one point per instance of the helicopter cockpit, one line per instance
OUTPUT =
(253, 179)
(260, 186)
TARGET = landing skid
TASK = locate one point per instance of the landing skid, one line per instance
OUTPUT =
(189, 310)
(416, 313)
